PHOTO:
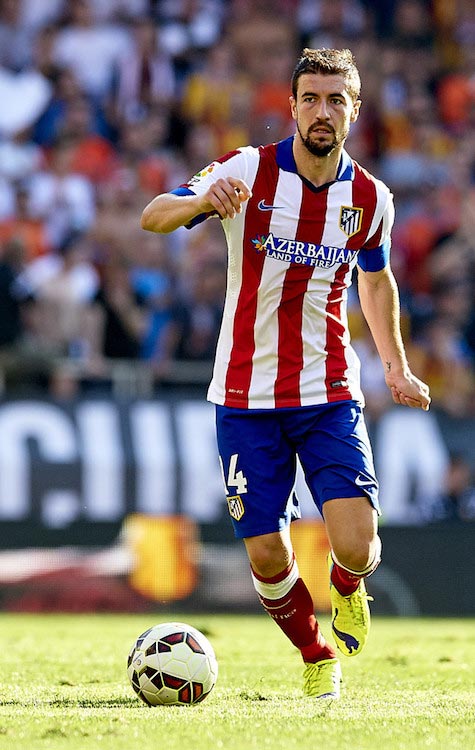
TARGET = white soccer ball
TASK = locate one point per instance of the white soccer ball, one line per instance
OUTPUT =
(172, 664)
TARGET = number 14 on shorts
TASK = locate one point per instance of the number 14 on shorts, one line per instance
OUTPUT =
(235, 481)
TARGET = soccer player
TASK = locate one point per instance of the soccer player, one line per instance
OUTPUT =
(298, 216)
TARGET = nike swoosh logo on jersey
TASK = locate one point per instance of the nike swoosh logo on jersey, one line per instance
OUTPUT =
(362, 482)
(263, 206)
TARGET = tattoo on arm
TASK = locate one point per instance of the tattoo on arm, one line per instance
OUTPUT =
(388, 366)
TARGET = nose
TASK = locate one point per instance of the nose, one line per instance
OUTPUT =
(321, 111)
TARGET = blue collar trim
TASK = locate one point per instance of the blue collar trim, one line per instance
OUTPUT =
(286, 161)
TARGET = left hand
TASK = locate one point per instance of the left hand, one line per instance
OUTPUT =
(408, 390)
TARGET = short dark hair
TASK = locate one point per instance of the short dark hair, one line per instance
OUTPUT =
(329, 62)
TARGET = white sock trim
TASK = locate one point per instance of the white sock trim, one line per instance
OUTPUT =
(370, 568)
(280, 589)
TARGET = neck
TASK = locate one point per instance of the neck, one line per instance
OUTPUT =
(319, 170)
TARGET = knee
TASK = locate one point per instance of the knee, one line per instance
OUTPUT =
(268, 559)
(362, 555)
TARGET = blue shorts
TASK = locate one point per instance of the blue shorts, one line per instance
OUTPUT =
(258, 451)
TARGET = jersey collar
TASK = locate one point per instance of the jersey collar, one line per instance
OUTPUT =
(286, 161)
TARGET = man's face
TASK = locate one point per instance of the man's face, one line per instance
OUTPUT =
(323, 111)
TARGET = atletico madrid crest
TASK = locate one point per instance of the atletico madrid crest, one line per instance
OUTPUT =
(236, 507)
(350, 219)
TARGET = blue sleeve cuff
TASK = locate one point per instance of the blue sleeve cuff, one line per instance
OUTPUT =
(182, 191)
(376, 258)
(198, 219)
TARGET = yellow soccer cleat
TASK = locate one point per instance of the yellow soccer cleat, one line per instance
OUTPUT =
(351, 617)
(322, 679)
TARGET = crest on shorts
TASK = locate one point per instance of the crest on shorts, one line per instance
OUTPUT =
(235, 507)
(350, 219)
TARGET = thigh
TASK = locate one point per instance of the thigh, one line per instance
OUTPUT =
(259, 466)
(336, 456)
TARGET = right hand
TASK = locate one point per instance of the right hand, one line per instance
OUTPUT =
(225, 196)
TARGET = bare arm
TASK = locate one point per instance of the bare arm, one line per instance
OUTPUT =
(167, 212)
(379, 299)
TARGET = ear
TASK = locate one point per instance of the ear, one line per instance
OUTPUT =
(355, 111)
(293, 107)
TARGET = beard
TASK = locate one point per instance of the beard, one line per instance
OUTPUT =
(317, 148)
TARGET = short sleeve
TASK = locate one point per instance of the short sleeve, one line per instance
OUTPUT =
(229, 165)
(374, 255)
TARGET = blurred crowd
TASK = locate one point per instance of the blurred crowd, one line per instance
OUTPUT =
(106, 103)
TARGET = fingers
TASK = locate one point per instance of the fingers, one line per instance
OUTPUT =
(397, 396)
(227, 195)
(422, 401)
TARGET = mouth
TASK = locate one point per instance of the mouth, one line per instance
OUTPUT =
(321, 130)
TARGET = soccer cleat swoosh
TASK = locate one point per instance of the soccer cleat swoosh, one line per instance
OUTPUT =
(263, 206)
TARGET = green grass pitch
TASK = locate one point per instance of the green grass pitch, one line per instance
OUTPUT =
(64, 685)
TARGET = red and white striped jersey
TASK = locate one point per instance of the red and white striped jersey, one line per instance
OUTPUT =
(284, 338)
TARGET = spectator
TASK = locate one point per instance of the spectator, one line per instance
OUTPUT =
(326, 23)
(217, 95)
(144, 77)
(116, 221)
(458, 500)
(270, 113)
(61, 288)
(186, 27)
(197, 316)
(411, 460)
(92, 155)
(256, 38)
(412, 25)
(63, 199)
(67, 92)
(144, 159)
(19, 156)
(16, 38)
(91, 50)
(25, 229)
(24, 96)
(11, 323)
(122, 313)
(199, 145)
(36, 16)
(443, 359)
(152, 281)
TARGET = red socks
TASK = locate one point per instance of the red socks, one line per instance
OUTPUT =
(344, 581)
(287, 600)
